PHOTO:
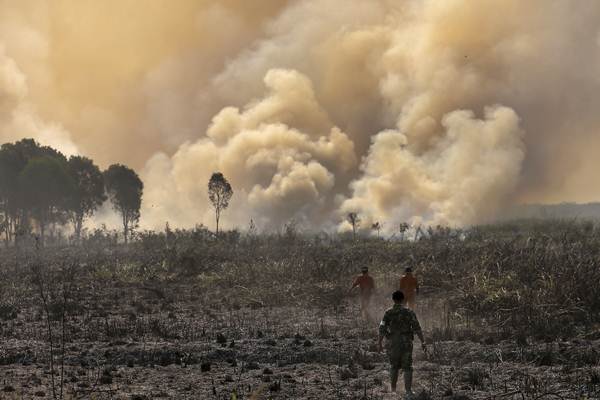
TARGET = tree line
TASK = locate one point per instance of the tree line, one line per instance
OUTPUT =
(40, 187)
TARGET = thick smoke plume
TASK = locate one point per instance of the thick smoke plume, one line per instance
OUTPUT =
(424, 111)
(281, 153)
(18, 117)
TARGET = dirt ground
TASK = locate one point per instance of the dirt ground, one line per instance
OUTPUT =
(137, 342)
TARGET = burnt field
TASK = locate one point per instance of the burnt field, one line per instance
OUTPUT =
(509, 311)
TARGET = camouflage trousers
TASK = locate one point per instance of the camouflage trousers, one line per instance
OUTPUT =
(400, 356)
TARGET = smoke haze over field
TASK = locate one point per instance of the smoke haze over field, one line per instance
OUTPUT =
(441, 111)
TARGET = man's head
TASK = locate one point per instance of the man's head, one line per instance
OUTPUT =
(398, 296)
(408, 270)
(364, 270)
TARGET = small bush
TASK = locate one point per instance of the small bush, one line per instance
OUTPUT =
(594, 377)
(8, 312)
(475, 377)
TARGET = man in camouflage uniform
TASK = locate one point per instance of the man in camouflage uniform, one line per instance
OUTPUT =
(398, 326)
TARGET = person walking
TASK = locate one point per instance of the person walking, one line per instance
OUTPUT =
(366, 285)
(399, 326)
(410, 287)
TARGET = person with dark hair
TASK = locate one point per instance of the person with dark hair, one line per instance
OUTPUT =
(410, 287)
(399, 326)
(366, 285)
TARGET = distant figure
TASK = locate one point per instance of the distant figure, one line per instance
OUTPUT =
(398, 326)
(409, 287)
(366, 285)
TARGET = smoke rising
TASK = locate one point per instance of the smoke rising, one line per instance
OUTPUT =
(281, 154)
(420, 110)
(464, 176)
(18, 117)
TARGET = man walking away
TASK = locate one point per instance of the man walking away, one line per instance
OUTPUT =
(366, 285)
(398, 326)
(410, 287)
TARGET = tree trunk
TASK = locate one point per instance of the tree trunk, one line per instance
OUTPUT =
(10, 230)
(217, 219)
(7, 231)
(42, 233)
(78, 224)
(125, 225)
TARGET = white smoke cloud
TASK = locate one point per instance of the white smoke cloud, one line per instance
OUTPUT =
(280, 153)
(18, 117)
(420, 110)
(467, 174)
(373, 67)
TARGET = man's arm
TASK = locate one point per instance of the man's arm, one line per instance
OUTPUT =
(417, 329)
(383, 331)
(421, 337)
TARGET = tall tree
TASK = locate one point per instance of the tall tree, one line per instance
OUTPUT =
(9, 188)
(403, 227)
(14, 197)
(125, 188)
(46, 186)
(376, 226)
(354, 220)
(219, 193)
(88, 192)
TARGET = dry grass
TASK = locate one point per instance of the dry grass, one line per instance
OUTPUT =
(510, 309)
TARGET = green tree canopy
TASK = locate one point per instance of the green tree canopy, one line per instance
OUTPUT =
(219, 194)
(14, 200)
(39, 184)
(125, 189)
(45, 185)
(88, 192)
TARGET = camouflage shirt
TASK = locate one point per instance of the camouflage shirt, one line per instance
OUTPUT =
(399, 324)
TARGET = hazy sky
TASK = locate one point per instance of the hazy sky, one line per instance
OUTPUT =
(444, 111)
